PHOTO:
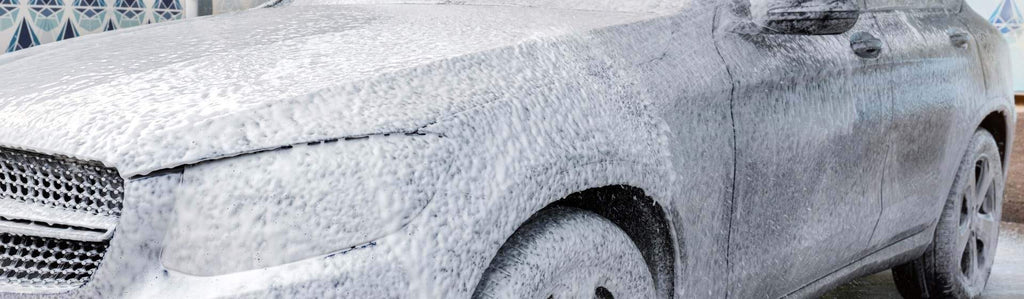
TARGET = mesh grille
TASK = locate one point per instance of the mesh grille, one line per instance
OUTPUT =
(60, 182)
(37, 262)
(45, 263)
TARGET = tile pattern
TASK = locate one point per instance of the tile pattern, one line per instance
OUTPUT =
(29, 23)
(1007, 18)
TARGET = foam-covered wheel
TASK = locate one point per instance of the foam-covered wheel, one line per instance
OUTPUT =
(567, 253)
(958, 263)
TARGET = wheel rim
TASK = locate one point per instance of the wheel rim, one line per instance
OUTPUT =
(979, 225)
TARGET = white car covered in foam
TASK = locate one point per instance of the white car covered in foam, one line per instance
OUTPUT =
(519, 149)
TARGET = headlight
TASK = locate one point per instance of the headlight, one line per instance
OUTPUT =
(281, 206)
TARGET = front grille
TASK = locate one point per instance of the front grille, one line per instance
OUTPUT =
(37, 262)
(58, 218)
(60, 182)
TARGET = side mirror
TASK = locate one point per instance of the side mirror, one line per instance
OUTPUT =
(808, 17)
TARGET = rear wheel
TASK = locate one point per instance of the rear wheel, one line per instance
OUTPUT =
(958, 263)
(567, 253)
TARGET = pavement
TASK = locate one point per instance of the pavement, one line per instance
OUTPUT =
(1006, 281)
(1013, 203)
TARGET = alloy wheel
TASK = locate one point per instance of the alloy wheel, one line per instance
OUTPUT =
(979, 226)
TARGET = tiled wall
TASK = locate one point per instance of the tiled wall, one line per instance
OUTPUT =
(1006, 16)
(28, 23)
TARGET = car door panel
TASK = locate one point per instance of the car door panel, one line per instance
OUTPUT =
(936, 80)
(810, 119)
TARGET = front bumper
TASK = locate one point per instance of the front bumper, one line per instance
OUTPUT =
(359, 273)
(132, 266)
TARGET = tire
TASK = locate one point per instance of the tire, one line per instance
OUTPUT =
(567, 253)
(958, 262)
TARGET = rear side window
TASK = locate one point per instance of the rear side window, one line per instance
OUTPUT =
(883, 5)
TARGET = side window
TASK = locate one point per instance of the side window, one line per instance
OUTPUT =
(883, 5)
(805, 17)
(762, 7)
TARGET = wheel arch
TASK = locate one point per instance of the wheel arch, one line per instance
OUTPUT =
(642, 218)
(999, 123)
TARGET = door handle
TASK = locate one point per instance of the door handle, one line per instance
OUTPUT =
(866, 45)
(960, 39)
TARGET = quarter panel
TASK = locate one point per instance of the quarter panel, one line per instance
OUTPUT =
(994, 54)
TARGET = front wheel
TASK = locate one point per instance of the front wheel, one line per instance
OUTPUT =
(958, 263)
(567, 253)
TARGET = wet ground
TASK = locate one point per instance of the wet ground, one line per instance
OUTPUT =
(1007, 280)
(1013, 204)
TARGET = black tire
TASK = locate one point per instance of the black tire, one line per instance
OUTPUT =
(958, 262)
(567, 253)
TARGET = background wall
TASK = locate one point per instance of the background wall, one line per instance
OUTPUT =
(1005, 15)
(225, 6)
(27, 23)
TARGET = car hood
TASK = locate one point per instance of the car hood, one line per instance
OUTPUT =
(165, 95)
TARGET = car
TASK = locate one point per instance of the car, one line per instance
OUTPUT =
(509, 149)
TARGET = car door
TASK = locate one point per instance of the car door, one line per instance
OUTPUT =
(810, 119)
(937, 79)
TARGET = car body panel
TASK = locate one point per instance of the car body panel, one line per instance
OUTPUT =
(932, 125)
(493, 163)
(810, 121)
(489, 159)
(508, 118)
(147, 106)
